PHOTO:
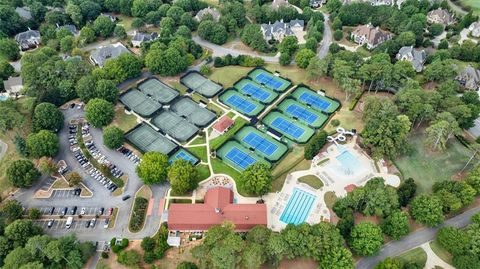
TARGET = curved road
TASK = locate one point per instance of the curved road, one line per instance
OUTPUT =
(413, 240)
(327, 38)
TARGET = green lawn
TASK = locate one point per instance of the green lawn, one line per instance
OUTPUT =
(475, 4)
(218, 141)
(228, 75)
(441, 252)
(220, 167)
(428, 167)
(203, 172)
(198, 140)
(200, 152)
(312, 181)
(294, 161)
(124, 121)
(417, 255)
(348, 120)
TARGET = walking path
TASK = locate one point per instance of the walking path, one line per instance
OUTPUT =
(433, 260)
(3, 149)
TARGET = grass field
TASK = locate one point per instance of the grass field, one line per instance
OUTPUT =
(441, 252)
(428, 167)
(294, 161)
(200, 152)
(348, 120)
(228, 75)
(417, 255)
(123, 120)
(312, 181)
(199, 140)
(203, 172)
(475, 4)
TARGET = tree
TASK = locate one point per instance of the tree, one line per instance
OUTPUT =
(12, 210)
(441, 130)
(148, 244)
(123, 67)
(285, 59)
(20, 231)
(47, 166)
(140, 8)
(440, 71)
(67, 44)
(337, 258)
(167, 62)
(256, 179)
(73, 179)
(113, 137)
(288, 45)
(99, 112)
(119, 32)
(107, 90)
(17, 258)
(182, 176)
(47, 117)
(129, 258)
(9, 49)
(252, 36)
(87, 35)
(406, 191)
(252, 256)
(318, 68)
(396, 225)
(303, 57)
(315, 145)
(436, 29)
(6, 70)
(85, 89)
(338, 35)
(153, 168)
(22, 173)
(103, 26)
(453, 240)
(43, 143)
(427, 209)
(366, 239)
(213, 32)
(389, 263)
(186, 265)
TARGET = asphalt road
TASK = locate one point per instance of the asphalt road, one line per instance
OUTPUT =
(413, 240)
(101, 197)
(327, 38)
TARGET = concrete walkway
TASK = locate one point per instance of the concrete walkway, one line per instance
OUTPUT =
(3, 149)
(433, 260)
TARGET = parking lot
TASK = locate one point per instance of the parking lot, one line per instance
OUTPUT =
(63, 194)
(89, 211)
(59, 224)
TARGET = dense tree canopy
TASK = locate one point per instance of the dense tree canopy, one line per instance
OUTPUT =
(153, 168)
(113, 137)
(182, 176)
(22, 173)
(256, 179)
(427, 209)
(366, 239)
(42, 143)
(9, 49)
(47, 116)
(99, 112)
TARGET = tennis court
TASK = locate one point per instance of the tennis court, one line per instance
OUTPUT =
(263, 144)
(175, 126)
(256, 91)
(292, 129)
(315, 100)
(303, 113)
(269, 80)
(196, 82)
(241, 103)
(139, 103)
(193, 112)
(237, 156)
(146, 139)
(158, 90)
(183, 155)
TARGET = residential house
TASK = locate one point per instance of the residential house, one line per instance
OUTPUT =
(381, 2)
(112, 17)
(276, 4)
(139, 37)
(13, 86)
(218, 206)
(279, 30)
(469, 78)
(317, 3)
(208, 11)
(475, 29)
(441, 16)
(101, 54)
(370, 35)
(28, 40)
(70, 27)
(416, 57)
(24, 13)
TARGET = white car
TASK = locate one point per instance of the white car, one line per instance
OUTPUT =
(82, 212)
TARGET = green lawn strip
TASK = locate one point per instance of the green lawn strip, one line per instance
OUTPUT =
(330, 199)
(179, 87)
(218, 141)
(113, 218)
(312, 181)
(199, 152)
(138, 214)
(124, 121)
(416, 255)
(215, 108)
(441, 252)
(231, 114)
(294, 161)
(228, 75)
(203, 172)
(428, 167)
(199, 140)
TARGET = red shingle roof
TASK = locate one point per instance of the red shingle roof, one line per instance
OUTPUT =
(218, 206)
(223, 124)
(350, 187)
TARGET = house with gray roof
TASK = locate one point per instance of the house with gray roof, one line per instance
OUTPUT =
(370, 35)
(416, 57)
(469, 78)
(102, 54)
(208, 11)
(441, 16)
(139, 37)
(276, 4)
(13, 86)
(475, 29)
(24, 13)
(69, 27)
(279, 30)
(28, 40)
(381, 2)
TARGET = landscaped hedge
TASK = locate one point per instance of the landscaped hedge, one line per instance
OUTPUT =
(241, 60)
(138, 214)
(315, 144)
(116, 248)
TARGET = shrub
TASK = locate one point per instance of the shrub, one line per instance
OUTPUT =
(337, 35)
(205, 70)
(138, 214)
(335, 123)
(315, 144)
(105, 255)
(149, 257)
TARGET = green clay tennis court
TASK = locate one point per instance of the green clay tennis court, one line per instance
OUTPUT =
(182, 154)
(174, 125)
(293, 130)
(238, 156)
(193, 112)
(139, 103)
(158, 90)
(146, 139)
(269, 80)
(241, 103)
(255, 91)
(196, 82)
(303, 113)
(314, 100)
(261, 143)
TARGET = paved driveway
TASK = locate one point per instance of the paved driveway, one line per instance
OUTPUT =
(327, 38)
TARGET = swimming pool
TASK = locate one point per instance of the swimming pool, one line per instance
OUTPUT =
(298, 207)
(350, 164)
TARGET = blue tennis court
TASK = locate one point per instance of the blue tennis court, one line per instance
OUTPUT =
(287, 127)
(260, 143)
(182, 154)
(298, 207)
(301, 113)
(269, 80)
(240, 158)
(314, 100)
(255, 92)
(241, 103)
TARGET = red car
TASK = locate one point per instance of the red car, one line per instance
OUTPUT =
(110, 211)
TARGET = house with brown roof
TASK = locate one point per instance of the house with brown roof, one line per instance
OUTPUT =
(441, 16)
(223, 124)
(218, 207)
(370, 35)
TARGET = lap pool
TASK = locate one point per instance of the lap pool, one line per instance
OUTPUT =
(298, 207)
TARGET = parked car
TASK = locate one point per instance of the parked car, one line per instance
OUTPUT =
(100, 212)
(92, 222)
(87, 224)
(50, 223)
(110, 211)
(52, 210)
(64, 211)
(105, 223)
(73, 210)
(126, 197)
(82, 212)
